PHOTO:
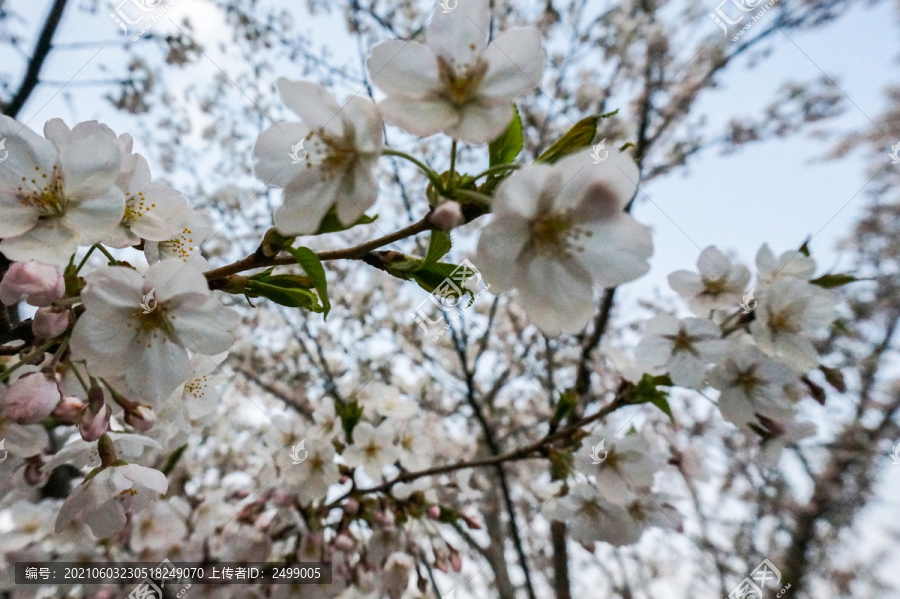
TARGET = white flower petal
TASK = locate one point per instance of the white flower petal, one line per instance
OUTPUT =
(404, 68)
(420, 117)
(273, 149)
(515, 63)
(312, 103)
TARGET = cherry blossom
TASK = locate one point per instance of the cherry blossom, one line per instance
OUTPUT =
(38, 284)
(30, 398)
(591, 518)
(682, 348)
(185, 245)
(563, 227)
(312, 478)
(457, 83)
(789, 264)
(334, 169)
(58, 192)
(107, 496)
(751, 383)
(789, 313)
(719, 285)
(152, 211)
(373, 448)
(150, 348)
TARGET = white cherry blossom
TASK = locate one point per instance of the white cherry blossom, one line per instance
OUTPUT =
(682, 348)
(311, 479)
(630, 466)
(152, 211)
(57, 193)
(789, 313)
(332, 166)
(117, 336)
(456, 82)
(105, 498)
(373, 448)
(185, 245)
(791, 264)
(558, 231)
(751, 383)
(719, 285)
(591, 518)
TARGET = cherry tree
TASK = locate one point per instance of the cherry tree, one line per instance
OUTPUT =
(409, 359)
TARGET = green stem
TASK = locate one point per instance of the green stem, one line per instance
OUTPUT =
(452, 163)
(41, 350)
(499, 168)
(80, 378)
(471, 196)
(431, 174)
(85, 259)
(106, 253)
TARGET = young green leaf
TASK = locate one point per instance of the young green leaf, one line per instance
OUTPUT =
(832, 281)
(507, 147)
(646, 391)
(311, 264)
(439, 245)
(579, 137)
(331, 224)
(290, 296)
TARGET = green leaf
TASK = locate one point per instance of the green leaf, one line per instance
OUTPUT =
(331, 224)
(292, 297)
(173, 460)
(832, 281)
(311, 264)
(646, 391)
(350, 414)
(579, 137)
(507, 147)
(439, 245)
(564, 407)
(804, 249)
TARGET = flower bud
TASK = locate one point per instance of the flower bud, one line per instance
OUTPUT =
(93, 423)
(39, 284)
(344, 543)
(68, 410)
(142, 418)
(33, 475)
(49, 324)
(455, 560)
(446, 216)
(434, 512)
(395, 578)
(30, 399)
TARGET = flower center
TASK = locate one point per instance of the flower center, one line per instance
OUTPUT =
(461, 81)
(329, 152)
(136, 206)
(682, 341)
(556, 233)
(747, 380)
(181, 247)
(44, 191)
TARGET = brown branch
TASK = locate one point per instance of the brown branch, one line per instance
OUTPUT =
(259, 260)
(36, 63)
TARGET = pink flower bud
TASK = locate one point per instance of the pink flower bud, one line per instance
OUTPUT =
(93, 424)
(344, 543)
(142, 418)
(395, 578)
(49, 324)
(33, 475)
(446, 216)
(455, 560)
(30, 399)
(39, 284)
(434, 512)
(351, 508)
(68, 410)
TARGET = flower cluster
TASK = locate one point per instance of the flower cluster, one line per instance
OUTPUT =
(112, 343)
